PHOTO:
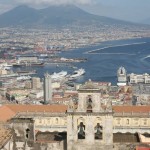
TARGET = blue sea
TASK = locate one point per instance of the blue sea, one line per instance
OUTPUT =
(104, 59)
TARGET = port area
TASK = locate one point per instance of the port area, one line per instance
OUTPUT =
(48, 61)
(68, 60)
(17, 74)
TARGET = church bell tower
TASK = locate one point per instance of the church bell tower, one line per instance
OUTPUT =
(89, 124)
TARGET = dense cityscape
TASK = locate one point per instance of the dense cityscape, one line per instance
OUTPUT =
(67, 38)
(58, 113)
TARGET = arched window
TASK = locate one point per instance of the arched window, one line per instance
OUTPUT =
(65, 121)
(48, 121)
(56, 120)
(118, 121)
(89, 103)
(136, 121)
(81, 131)
(27, 133)
(127, 121)
(98, 132)
(145, 122)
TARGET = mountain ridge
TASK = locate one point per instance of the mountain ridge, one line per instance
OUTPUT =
(52, 16)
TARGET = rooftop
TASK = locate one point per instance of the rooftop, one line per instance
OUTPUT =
(130, 109)
(5, 135)
(6, 113)
(9, 111)
(38, 108)
(89, 85)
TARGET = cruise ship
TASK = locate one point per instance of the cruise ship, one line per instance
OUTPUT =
(59, 75)
(77, 73)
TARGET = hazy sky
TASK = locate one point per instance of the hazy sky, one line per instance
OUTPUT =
(132, 10)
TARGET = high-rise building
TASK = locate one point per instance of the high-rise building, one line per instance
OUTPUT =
(47, 89)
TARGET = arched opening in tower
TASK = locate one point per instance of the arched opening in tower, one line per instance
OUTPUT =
(89, 104)
(81, 131)
(98, 132)
(27, 133)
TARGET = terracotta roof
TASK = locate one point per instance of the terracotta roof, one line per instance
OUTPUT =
(9, 111)
(6, 113)
(129, 109)
(38, 108)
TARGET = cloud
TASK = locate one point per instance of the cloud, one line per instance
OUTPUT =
(54, 2)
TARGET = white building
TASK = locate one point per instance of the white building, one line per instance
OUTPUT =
(139, 78)
(122, 76)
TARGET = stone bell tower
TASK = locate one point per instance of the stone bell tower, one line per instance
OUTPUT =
(89, 125)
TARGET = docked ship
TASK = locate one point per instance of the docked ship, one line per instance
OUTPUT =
(77, 73)
(9, 75)
(5, 66)
(59, 75)
(23, 78)
(26, 72)
(28, 64)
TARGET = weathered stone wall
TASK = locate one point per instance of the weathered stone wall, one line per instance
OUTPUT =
(23, 133)
(49, 146)
(96, 102)
(51, 123)
(96, 146)
(90, 121)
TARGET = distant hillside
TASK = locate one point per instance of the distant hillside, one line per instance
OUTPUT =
(52, 16)
(146, 21)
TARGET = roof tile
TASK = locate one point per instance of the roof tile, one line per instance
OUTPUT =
(129, 109)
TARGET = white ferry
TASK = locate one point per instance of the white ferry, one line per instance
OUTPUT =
(78, 73)
(59, 75)
(23, 78)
